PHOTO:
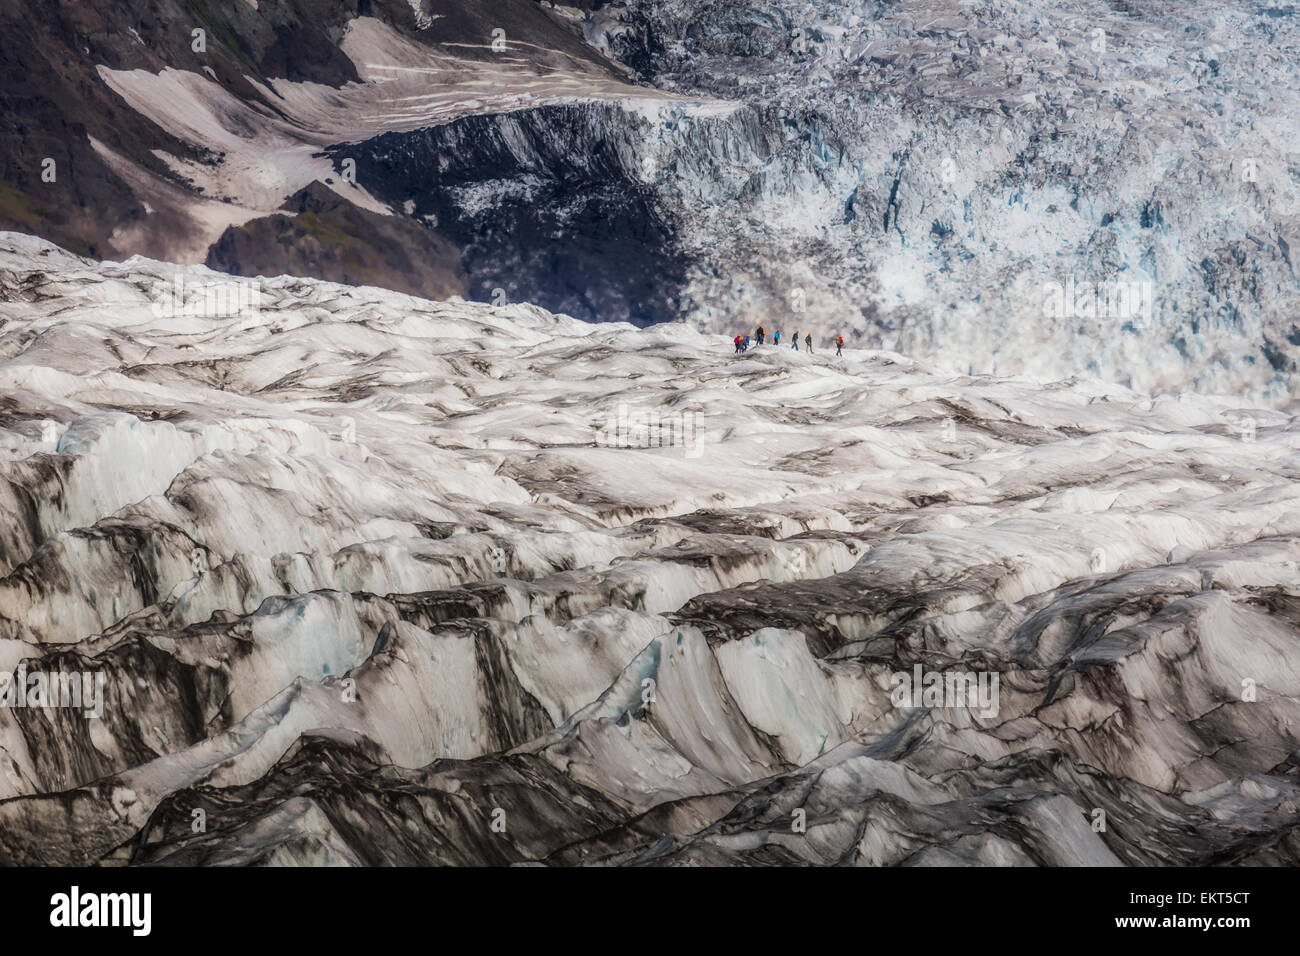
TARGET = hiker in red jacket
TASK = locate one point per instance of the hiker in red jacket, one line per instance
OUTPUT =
(839, 345)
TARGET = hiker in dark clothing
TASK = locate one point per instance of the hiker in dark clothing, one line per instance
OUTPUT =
(839, 345)
(807, 340)
(758, 334)
(794, 343)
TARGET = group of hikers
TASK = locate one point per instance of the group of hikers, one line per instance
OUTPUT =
(742, 342)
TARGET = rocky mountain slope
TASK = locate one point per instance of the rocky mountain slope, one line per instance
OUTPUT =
(373, 579)
(153, 127)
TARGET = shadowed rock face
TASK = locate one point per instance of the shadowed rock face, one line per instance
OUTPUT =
(547, 205)
(369, 579)
(321, 235)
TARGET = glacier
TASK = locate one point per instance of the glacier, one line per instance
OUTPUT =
(371, 579)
